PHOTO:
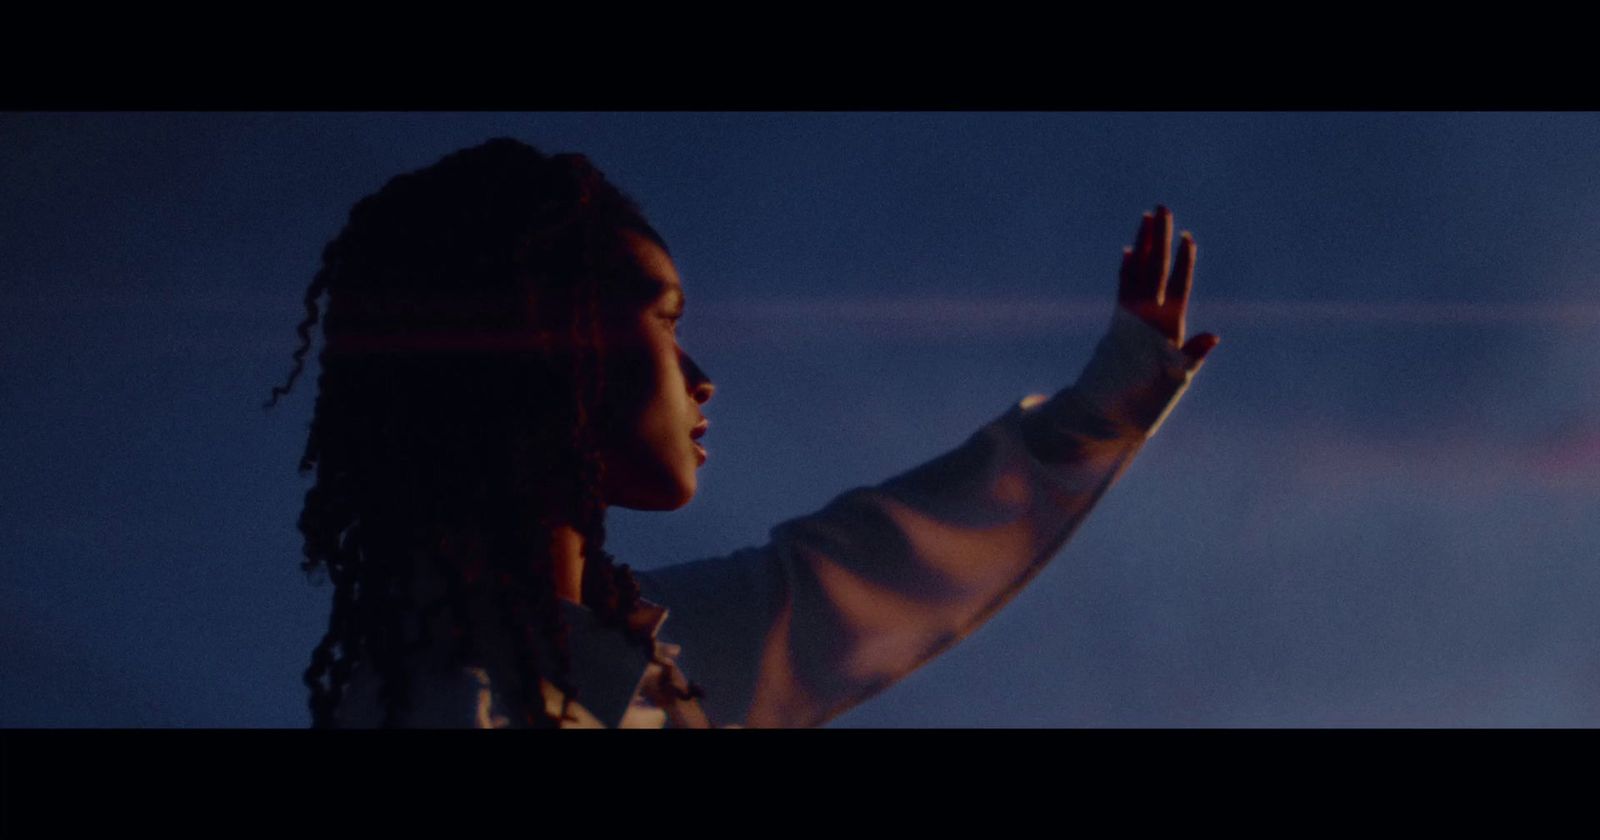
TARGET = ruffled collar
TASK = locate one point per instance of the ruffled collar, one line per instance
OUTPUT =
(614, 680)
(607, 667)
(617, 682)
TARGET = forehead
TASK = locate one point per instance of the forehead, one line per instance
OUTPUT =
(654, 263)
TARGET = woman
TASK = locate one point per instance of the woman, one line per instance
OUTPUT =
(501, 366)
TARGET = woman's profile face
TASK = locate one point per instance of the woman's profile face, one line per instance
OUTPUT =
(655, 392)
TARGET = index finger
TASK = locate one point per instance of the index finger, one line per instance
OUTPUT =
(1137, 283)
(1161, 252)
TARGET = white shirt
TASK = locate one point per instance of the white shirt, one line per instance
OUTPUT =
(840, 604)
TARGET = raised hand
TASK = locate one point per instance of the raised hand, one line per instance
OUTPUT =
(1157, 291)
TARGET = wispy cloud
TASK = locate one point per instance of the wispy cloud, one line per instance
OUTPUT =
(1462, 465)
(927, 309)
(733, 321)
(897, 317)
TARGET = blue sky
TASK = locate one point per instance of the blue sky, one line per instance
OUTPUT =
(1374, 506)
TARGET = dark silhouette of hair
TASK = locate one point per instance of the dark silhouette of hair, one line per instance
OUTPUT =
(459, 406)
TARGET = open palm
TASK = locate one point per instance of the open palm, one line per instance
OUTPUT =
(1155, 289)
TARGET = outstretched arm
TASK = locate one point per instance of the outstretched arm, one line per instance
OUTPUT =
(840, 604)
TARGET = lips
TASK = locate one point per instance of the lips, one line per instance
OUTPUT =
(695, 434)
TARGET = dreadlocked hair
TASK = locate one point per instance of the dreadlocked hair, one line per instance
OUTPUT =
(458, 409)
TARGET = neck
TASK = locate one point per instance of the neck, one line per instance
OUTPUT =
(566, 553)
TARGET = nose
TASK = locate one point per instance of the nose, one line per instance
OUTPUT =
(700, 387)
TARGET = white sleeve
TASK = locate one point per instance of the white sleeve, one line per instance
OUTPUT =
(842, 603)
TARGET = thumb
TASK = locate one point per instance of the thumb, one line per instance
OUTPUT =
(1199, 346)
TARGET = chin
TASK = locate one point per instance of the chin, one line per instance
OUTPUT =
(684, 496)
